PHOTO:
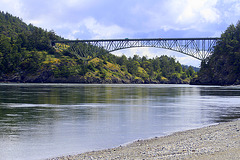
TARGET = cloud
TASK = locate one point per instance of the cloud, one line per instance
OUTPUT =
(15, 8)
(99, 30)
(76, 3)
(90, 28)
(231, 12)
(195, 11)
(130, 18)
(103, 19)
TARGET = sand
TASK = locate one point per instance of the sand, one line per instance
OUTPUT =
(220, 141)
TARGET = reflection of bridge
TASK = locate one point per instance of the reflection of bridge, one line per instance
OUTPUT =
(199, 48)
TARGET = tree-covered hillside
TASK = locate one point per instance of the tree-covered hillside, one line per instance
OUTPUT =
(22, 46)
(223, 67)
(27, 56)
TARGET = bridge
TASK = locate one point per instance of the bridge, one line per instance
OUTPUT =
(199, 48)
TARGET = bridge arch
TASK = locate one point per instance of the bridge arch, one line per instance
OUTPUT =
(199, 48)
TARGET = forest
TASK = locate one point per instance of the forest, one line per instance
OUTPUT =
(27, 56)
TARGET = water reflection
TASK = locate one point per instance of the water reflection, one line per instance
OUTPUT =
(49, 120)
(223, 103)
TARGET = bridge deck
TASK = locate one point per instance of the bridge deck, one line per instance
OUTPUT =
(199, 48)
(140, 39)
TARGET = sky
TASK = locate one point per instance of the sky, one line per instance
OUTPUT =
(106, 19)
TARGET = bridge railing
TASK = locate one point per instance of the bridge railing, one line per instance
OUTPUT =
(199, 48)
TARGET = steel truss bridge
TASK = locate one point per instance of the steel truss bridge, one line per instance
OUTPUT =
(199, 48)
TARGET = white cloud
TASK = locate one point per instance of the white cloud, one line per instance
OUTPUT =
(15, 8)
(93, 29)
(116, 19)
(74, 3)
(190, 61)
(99, 30)
(89, 19)
(210, 15)
(232, 12)
(175, 15)
(78, 4)
(197, 11)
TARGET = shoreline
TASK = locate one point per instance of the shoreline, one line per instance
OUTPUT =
(221, 141)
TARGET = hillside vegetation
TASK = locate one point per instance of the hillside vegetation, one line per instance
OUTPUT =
(26, 56)
(223, 67)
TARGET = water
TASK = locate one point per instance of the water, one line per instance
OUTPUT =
(39, 121)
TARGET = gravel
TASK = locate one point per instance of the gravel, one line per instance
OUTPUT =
(220, 141)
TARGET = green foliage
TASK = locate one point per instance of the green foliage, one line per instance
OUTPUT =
(26, 56)
(162, 69)
(31, 62)
(223, 67)
(22, 46)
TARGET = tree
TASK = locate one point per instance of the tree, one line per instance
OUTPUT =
(178, 67)
(190, 72)
(122, 60)
(222, 67)
(25, 52)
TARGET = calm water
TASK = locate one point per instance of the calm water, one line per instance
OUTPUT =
(39, 121)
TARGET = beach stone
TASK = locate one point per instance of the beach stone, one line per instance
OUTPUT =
(220, 142)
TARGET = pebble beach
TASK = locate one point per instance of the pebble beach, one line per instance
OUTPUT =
(221, 141)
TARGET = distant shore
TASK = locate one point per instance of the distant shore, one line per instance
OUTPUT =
(84, 80)
(220, 141)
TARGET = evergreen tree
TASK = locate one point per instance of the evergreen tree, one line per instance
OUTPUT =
(223, 67)
(26, 56)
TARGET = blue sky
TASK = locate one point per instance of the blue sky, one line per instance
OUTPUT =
(105, 19)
